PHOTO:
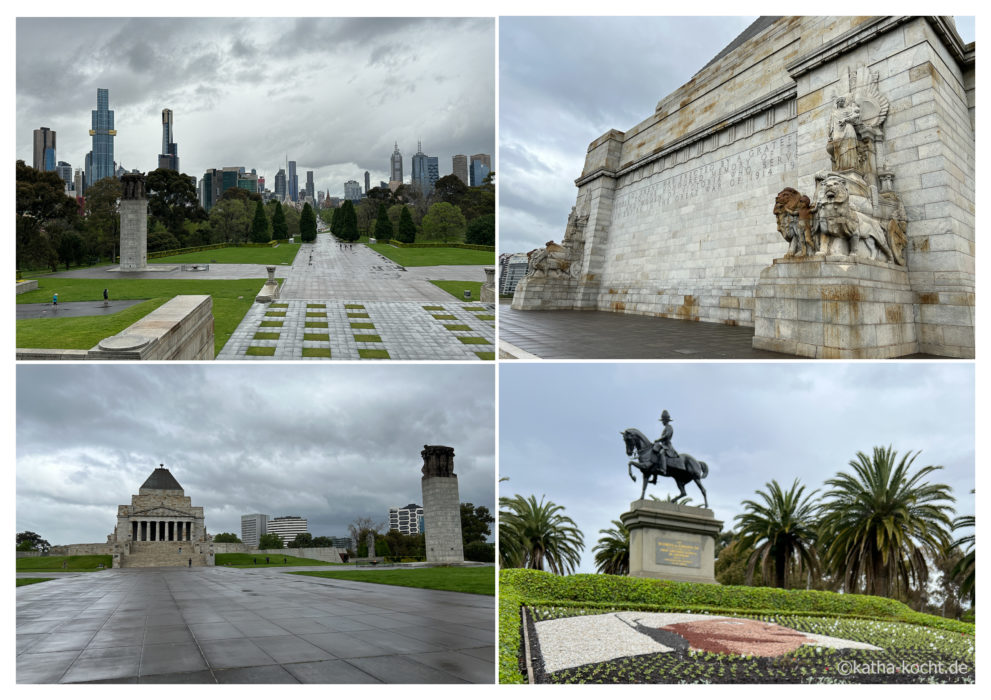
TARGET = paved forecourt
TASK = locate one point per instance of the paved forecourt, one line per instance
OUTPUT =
(355, 304)
(225, 625)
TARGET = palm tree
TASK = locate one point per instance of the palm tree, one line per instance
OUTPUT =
(881, 522)
(537, 535)
(612, 553)
(964, 568)
(780, 529)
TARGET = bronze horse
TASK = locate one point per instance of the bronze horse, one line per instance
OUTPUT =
(683, 469)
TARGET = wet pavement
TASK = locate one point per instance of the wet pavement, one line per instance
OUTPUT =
(226, 625)
(71, 309)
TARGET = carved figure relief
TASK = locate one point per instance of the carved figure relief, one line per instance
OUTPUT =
(854, 209)
(133, 186)
(553, 260)
(563, 260)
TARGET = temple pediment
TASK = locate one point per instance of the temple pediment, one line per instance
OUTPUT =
(161, 511)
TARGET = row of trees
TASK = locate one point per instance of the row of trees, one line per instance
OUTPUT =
(880, 529)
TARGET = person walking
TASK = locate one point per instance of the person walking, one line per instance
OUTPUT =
(55, 300)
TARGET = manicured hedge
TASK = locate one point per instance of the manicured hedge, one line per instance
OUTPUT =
(466, 246)
(600, 591)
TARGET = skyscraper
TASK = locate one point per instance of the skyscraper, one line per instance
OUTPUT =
(44, 149)
(459, 168)
(293, 182)
(253, 527)
(64, 171)
(396, 166)
(169, 157)
(368, 181)
(352, 190)
(280, 184)
(103, 133)
(425, 170)
(310, 191)
(481, 165)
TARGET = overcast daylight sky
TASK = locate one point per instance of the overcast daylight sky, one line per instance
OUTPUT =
(327, 442)
(333, 94)
(560, 425)
(565, 81)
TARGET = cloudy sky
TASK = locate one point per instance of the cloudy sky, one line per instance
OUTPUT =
(565, 81)
(328, 442)
(560, 424)
(333, 94)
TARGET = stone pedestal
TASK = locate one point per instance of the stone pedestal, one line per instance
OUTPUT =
(133, 235)
(487, 292)
(672, 542)
(835, 306)
(441, 505)
(545, 293)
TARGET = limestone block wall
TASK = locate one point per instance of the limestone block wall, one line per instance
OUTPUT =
(179, 329)
(133, 234)
(73, 550)
(442, 519)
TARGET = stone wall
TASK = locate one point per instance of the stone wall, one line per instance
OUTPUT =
(331, 554)
(673, 216)
(133, 234)
(73, 550)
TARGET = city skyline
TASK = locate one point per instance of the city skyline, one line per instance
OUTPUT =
(405, 79)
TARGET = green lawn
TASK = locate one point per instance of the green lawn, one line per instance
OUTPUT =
(283, 255)
(457, 289)
(418, 257)
(85, 562)
(248, 561)
(29, 581)
(479, 579)
(231, 301)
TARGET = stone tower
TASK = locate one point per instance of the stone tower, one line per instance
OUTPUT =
(441, 505)
(133, 223)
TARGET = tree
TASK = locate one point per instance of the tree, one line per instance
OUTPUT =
(103, 214)
(443, 222)
(259, 227)
(229, 218)
(33, 542)
(160, 238)
(612, 552)
(172, 199)
(963, 570)
(302, 539)
(383, 227)
(448, 189)
(322, 541)
(292, 221)
(349, 222)
(407, 229)
(280, 231)
(402, 546)
(481, 230)
(781, 531)
(270, 541)
(475, 523)
(881, 523)
(308, 224)
(40, 200)
(361, 526)
(537, 535)
(227, 537)
(480, 551)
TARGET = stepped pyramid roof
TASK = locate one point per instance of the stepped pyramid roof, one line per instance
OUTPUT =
(162, 480)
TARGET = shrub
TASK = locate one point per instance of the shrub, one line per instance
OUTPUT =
(481, 230)
(480, 551)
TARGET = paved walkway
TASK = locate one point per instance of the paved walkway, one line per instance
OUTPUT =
(224, 625)
(70, 309)
(217, 271)
(595, 335)
(342, 303)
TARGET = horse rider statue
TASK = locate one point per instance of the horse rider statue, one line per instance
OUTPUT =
(662, 447)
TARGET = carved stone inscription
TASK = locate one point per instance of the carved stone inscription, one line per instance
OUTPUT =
(679, 550)
(728, 174)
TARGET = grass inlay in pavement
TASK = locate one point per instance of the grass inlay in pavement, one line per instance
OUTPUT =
(434, 308)
(316, 352)
(316, 314)
(259, 350)
(485, 355)
(485, 317)
(316, 306)
(445, 317)
(361, 324)
(370, 354)
(354, 306)
(277, 314)
(457, 327)
(271, 324)
(316, 336)
(367, 338)
(357, 315)
(278, 306)
(474, 340)
(315, 324)
(261, 335)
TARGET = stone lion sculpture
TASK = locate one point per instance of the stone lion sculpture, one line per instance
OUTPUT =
(794, 215)
(552, 260)
(834, 218)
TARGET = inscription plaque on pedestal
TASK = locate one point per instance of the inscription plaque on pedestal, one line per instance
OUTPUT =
(675, 550)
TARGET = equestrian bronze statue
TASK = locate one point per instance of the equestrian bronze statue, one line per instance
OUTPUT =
(660, 459)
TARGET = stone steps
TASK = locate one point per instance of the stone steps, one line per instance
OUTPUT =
(130, 561)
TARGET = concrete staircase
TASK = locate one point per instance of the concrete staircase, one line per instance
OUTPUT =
(145, 554)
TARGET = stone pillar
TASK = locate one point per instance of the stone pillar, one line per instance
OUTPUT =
(671, 541)
(487, 292)
(133, 224)
(370, 544)
(441, 505)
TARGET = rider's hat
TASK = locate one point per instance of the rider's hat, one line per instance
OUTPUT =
(665, 415)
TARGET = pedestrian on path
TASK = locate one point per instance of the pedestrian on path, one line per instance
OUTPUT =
(55, 300)
(106, 297)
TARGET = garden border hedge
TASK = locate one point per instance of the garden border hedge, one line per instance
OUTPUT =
(466, 246)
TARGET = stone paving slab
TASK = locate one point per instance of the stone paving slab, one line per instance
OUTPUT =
(420, 636)
(405, 330)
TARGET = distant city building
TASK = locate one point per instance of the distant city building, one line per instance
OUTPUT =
(512, 268)
(481, 166)
(168, 159)
(44, 149)
(88, 170)
(407, 519)
(368, 181)
(253, 527)
(103, 133)
(293, 182)
(333, 202)
(78, 182)
(352, 190)
(310, 191)
(383, 184)
(459, 168)
(248, 181)
(340, 542)
(424, 171)
(261, 183)
(287, 527)
(396, 166)
(280, 185)
(64, 171)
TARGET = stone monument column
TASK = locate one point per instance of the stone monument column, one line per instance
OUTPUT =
(133, 223)
(441, 505)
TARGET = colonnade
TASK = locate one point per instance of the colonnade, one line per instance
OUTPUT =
(161, 531)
